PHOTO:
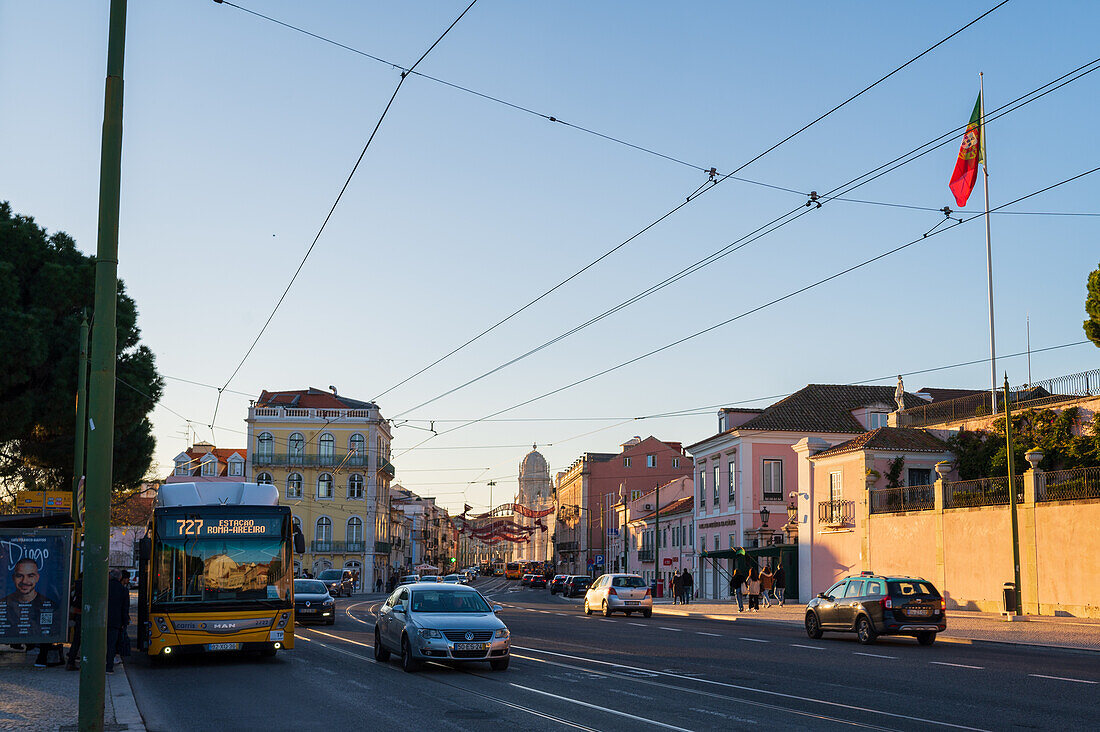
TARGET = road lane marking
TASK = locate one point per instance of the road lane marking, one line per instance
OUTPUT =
(338, 637)
(875, 655)
(605, 620)
(597, 707)
(756, 640)
(1062, 678)
(674, 630)
(739, 687)
(815, 648)
(561, 614)
(956, 665)
(640, 625)
(713, 635)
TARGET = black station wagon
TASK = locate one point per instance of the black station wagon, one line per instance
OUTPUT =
(871, 605)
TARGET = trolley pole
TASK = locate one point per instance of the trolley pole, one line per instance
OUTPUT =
(1012, 504)
(81, 416)
(101, 423)
(657, 536)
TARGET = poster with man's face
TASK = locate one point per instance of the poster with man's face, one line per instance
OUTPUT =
(34, 585)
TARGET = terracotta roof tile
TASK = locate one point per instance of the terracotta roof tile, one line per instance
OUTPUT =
(897, 439)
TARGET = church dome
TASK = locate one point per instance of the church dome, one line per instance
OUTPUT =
(533, 464)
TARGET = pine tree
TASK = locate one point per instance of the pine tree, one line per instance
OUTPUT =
(1092, 307)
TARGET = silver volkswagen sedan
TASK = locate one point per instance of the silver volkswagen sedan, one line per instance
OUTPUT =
(626, 593)
(440, 622)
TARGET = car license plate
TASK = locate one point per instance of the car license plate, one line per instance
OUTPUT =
(471, 646)
(223, 646)
(307, 611)
(632, 602)
(919, 611)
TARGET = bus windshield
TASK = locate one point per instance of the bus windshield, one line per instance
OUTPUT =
(229, 569)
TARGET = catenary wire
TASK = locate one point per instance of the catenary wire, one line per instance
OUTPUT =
(771, 226)
(335, 203)
(697, 194)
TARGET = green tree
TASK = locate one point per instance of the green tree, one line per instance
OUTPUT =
(1065, 443)
(1092, 307)
(45, 284)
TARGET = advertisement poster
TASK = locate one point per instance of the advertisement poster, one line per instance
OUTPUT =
(34, 585)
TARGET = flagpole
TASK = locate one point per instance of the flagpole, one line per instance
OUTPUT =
(988, 250)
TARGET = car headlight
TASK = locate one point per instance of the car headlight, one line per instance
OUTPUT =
(429, 633)
(330, 601)
(502, 633)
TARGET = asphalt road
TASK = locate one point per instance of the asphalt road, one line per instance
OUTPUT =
(570, 671)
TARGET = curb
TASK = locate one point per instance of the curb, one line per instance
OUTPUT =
(122, 697)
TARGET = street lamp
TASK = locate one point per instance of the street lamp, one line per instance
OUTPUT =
(792, 518)
(764, 513)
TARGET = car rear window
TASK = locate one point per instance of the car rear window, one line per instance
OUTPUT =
(627, 582)
(912, 588)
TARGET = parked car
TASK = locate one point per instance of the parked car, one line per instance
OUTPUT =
(409, 579)
(537, 580)
(525, 580)
(338, 581)
(576, 585)
(430, 578)
(455, 579)
(558, 583)
(627, 593)
(440, 622)
(871, 605)
(313, 603)
(468, 576)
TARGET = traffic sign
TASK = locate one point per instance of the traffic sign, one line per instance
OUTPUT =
(599, 560)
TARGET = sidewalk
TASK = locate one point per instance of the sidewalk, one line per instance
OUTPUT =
(47, 698)
(962, 626)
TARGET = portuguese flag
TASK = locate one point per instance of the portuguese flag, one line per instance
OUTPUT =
(971, 152)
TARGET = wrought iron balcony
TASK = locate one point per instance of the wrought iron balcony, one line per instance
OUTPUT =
(382, 547)
(836, 513)
(567, 546)
(385, 467)
(305, 460)
(337, 547)
(645, 555)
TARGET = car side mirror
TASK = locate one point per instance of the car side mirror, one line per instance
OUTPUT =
(823, 596)
(497, 608)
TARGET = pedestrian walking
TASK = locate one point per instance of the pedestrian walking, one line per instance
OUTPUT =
(118, 617)
(689, 586)
(737, 583)
(754, 589)
(677, 589)
(767, 582)
(76, 598)
(378, 584)
(780, 578)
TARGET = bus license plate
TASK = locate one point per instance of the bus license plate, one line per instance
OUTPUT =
(223, 646)
(471, 646)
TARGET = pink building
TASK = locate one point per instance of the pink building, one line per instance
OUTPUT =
(204, 462)
(650, 545)
(751, 464)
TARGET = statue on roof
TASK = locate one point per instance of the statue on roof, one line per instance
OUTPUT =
(899, 394)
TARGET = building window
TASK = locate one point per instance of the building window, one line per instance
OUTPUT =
(702, 491)
(355, 530)
(355, 486)
(324, 530)
(732, 467)
(691, 534)
(651, 461)
(773, 480)
(236, 468)
(296, 444)
(183, 467)
(716, 540)
(920, 476)
(324, 445)
(294, 485)
(836, 488)
(265, 445)
(635, 495)
(731, 541)
(209, 466)
(626, 462)
(878, 419)
(357, 447)
(324, 486)
(675, 462)
(717, 482)
(264, 479)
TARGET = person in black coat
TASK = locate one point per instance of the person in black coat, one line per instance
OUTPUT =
(780, 583)
(737, 581)
(118, 617)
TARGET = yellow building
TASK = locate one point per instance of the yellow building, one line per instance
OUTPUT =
(330, 458)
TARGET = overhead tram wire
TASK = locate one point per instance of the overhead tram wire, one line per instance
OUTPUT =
(784, 219)
(756, 309)
(335, 203)
(702, 190)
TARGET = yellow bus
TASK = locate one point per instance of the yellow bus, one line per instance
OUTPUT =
(216, 571)
(512, 570)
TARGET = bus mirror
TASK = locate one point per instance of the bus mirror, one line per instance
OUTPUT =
(144, 549)
(299, 541)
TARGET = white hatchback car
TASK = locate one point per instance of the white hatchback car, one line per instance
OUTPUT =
(627, 593)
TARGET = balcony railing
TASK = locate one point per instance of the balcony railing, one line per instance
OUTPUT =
(1069, 485)
(337, 547)
(645, 555)
(567, 546)
(981, 492)
(294, 413)
(310, 460)
(899, 500)
(836, 513)
(382, 547)
(386, 467)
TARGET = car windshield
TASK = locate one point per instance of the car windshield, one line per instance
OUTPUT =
(310, 586)
(912, 588)
(330, 574)
(409, 578)
(444, 601)
(579, 580)
(451, 578)
(627, 582)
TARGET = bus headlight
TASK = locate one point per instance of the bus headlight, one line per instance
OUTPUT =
(162, 624)
(283, 619)
(167, 650)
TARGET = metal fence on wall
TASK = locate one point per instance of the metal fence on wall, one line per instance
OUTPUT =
(981, 492)
(899, 500)
(1068, 485)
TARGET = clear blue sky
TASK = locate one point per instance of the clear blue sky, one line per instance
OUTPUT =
(239, 133)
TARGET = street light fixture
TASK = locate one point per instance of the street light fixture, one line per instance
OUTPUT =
(764, 514)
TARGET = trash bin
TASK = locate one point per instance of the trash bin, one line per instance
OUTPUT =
(1010, 597)
(658, 590)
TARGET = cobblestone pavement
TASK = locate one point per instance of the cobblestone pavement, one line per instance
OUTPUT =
(42, 699)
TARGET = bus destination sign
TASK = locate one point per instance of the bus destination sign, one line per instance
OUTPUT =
(214, 527)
